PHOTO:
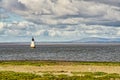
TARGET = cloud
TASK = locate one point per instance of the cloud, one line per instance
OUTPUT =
(79, 31)
(67, 11)
(60, 19)
(108, 2)
(1, 28)
(1, 25)
(12, 5)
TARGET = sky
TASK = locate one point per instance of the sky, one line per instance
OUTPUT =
(58, 20)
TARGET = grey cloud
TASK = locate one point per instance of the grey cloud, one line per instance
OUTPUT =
(19, 6)
(67, 12)
(108, 2)
(81, 15)
(12, 4)
(105, 23)
(62, 31)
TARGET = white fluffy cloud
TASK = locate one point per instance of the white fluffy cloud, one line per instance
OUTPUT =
(65, 11)
(60, 18)
(25, 28)
(1, 25)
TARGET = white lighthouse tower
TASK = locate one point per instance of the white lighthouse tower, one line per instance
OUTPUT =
(32, 43)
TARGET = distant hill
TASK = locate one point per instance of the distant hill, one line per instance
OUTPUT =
(84, 40)
(98, 40)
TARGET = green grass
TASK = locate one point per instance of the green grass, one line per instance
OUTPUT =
(9, 75)
(42, 63)
(98, 74)
(32, 63)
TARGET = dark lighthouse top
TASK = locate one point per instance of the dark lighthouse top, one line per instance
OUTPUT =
(32, 39)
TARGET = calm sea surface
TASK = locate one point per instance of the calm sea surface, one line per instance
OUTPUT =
(68, 52)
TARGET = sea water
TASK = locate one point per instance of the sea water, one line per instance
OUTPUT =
(65, 52)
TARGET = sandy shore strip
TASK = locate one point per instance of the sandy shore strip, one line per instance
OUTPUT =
(60, 69)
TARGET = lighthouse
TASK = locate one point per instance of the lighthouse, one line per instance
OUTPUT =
(32, 43)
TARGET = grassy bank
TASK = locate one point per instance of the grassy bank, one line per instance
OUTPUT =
(9, 75)
(59, 70)
(43, 63)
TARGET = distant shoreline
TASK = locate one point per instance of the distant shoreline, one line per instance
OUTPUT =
(56, 43)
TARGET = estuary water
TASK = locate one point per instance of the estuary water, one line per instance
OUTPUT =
(65, 52)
